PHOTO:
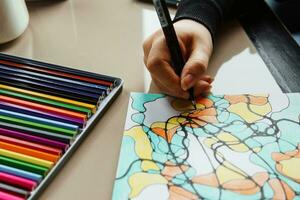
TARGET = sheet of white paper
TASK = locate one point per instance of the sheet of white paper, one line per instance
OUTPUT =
(230, 147)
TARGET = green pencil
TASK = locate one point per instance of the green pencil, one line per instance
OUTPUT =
(24, 165)
(13, 120)
(87, 111)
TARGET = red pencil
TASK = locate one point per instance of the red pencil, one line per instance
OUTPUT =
(31, 145)
(63, 74)
(7, 196)
(17, 181)
(42, 107)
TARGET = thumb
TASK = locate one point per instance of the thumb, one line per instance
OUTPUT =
(194, 68)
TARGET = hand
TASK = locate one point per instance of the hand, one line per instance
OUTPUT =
(196, 45)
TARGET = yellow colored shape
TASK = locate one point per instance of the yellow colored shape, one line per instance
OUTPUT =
(140, 181)
(228, 172)
(249, 116)
(239, 147)
(210, 141)
(162, 125)
(257, 149)
(261, 110)
(149, 165)
(226, 137)
(291, 168)
(177, 120)
(143, 147)
(159, 125)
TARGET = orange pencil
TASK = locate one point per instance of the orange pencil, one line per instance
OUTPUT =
(43, 107)
(29, 152)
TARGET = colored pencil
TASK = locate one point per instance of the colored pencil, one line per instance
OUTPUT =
(37, 132)
(58, 93)
(56, 78)
(14, 190)
(33, 138)
(31, 145)
(58, 73)
(23, 165)
(41, 114)
(29, 152)
(20, 173)
(46, 108)
(17, 181)
(25, 158)
(50, 87)
(8, 196)
(51, 97)
(80, 111)
(35, 125)
(30, 118)
(31, 76)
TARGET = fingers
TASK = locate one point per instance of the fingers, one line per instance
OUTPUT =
(201, 88)
(194, 69)
(175, 91)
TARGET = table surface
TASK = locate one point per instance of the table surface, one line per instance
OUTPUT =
(106, 37)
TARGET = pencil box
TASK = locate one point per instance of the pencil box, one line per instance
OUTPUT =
(46, 111)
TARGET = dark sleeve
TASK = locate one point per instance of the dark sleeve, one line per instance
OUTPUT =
(210, 13)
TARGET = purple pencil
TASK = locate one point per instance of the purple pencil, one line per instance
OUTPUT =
(32, 138)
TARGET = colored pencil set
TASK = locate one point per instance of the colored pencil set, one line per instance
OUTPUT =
(44, 109)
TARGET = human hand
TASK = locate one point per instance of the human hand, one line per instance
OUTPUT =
(196, 45)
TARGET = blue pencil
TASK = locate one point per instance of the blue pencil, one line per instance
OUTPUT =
(20, 173)
(49, 87)
(56, 78)
(39, 113)
(39, 120)
(55, 82)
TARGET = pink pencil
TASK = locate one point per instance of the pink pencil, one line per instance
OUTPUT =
(7, 196)
(17, 181)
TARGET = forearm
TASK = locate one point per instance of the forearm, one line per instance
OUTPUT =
(211, 13)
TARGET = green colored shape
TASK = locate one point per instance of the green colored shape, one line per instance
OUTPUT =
(139, 99)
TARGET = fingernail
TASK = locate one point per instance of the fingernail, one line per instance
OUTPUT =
(187, 82)
(211, 80)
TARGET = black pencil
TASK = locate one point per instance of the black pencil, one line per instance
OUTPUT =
(171, 40)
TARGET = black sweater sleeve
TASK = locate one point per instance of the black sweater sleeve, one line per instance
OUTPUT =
(211, 13)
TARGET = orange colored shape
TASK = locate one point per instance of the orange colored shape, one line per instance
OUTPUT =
(290, 194)
(29, 152)
(170, 171)
(205, 112)
(255, 100)
(180, 193)
(242, 186)
(260, 178)
(281, 189)
(235, 99)
(208, 119)
(279, 156)
(258, 100)
(207, 179)
(205, 101)
(161, 132)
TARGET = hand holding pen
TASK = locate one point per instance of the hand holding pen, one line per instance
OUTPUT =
(195, 45)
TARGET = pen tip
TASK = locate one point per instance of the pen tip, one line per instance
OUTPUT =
(194, 104)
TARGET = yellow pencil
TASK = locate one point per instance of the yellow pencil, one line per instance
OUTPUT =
(55, 98)
(25, 158)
